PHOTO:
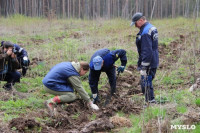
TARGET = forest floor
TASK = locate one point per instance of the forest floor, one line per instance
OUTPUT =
(51, 42)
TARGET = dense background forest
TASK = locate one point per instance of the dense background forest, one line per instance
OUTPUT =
(93, 9)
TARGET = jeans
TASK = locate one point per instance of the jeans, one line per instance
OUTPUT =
(146, 84)
(11, 77)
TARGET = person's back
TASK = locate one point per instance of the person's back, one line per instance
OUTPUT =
(58, 75)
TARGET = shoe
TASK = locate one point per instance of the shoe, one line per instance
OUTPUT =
(145, 106)
(152, 101)
(8, 87)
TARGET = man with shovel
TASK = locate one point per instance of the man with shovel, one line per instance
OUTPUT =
(103, 61)
(147, 46)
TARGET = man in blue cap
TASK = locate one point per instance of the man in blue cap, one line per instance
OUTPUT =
(103, 61)
(148, 61)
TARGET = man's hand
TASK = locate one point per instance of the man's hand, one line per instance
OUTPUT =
(120, 69)
(13, 55)
(93, 106)
(143, 72)
(9, 52)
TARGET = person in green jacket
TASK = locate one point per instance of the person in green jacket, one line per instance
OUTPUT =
(62, 80)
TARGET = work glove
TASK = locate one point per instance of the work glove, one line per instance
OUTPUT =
(95, 98)
(94, 106)
(120, 69)
(25, 60)
(143, 71)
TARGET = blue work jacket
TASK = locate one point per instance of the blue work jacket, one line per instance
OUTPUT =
(109, 58)
(147, 46)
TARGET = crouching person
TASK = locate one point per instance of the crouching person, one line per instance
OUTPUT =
(22, 57)
(8, 66)
(62, 80)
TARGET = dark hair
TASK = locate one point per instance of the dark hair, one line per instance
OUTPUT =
(84, 65)
(7, 44)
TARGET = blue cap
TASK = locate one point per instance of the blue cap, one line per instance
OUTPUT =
(97, 62)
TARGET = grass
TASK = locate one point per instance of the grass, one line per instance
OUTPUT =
(136, 120)
(197, 101)
(181, 109)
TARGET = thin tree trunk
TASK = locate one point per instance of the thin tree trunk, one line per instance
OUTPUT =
(146, 8)
(79, 9)
(161, 9)
(197, 8)
(153, 9)
(63, 6)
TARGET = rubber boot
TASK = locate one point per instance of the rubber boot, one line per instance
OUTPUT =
(51, 105)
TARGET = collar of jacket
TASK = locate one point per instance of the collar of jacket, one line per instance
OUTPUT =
(144, 25)
(76, 65)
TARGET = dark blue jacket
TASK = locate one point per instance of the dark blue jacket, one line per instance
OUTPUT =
(147, 45)
(21, 52)
(56, 78)
(109, 58)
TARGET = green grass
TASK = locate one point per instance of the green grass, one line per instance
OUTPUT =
(93, 117)
(154, 112)
(75, 116)
(166, 41)
(136, 122)
(20, 105)
(197, 101)
(197, 130)
(181, 109)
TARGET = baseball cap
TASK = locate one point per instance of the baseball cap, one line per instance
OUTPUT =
(136, 17)
(97, 62)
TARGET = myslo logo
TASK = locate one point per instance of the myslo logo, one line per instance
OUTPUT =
(188, 127)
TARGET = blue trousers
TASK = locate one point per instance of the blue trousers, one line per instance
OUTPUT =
(146, 84)
(11, 77)
(94, 79)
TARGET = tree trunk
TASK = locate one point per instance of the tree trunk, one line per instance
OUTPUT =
(153, 9)
(63, 7)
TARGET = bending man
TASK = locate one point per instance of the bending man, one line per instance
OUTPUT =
(103, 61)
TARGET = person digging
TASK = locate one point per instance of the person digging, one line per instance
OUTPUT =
(62, 80)
(103, 60)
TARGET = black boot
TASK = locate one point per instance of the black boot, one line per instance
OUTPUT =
(24, 71)
(8, 86)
